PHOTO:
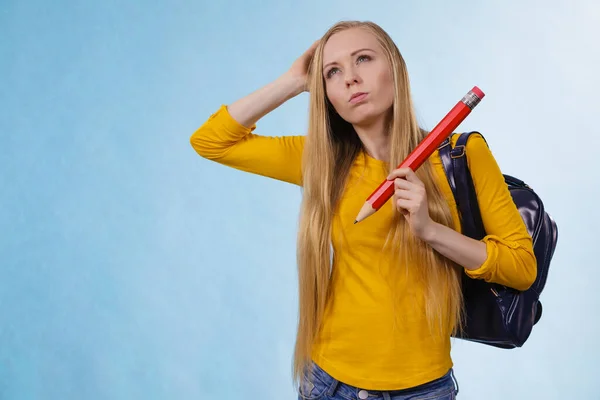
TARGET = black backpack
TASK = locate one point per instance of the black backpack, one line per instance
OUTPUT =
(495, 314)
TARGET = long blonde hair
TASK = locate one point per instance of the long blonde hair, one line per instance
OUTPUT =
(331, 146)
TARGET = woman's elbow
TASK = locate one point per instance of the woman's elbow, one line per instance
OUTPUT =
(201, 145)
(528, 271)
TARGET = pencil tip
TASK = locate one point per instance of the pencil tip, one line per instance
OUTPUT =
(355, 221)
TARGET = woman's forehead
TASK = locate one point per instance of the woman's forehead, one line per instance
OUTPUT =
(344, 43)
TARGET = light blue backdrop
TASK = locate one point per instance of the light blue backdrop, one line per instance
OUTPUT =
(133, 269)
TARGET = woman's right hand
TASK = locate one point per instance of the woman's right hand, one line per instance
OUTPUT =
(249, 109)
(299, 69)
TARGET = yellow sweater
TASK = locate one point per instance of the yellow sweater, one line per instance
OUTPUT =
(358, 342)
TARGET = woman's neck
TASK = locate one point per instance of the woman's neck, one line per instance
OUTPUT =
(376, 139)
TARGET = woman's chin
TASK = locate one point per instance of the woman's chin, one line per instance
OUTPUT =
(364, 116)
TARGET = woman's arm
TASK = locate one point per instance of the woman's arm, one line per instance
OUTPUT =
(463, 250)
(509, 246)
(227, 136)
(505, 255)
(249, 109)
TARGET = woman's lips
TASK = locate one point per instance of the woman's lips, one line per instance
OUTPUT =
(358, 97)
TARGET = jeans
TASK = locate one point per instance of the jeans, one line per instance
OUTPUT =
(321, 386)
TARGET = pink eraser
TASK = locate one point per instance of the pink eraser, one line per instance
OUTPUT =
(478, 92)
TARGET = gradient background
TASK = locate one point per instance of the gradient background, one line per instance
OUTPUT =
(131, 268)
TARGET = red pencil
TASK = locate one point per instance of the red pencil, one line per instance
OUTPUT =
(423, 150)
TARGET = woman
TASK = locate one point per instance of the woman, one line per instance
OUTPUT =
(379, 300)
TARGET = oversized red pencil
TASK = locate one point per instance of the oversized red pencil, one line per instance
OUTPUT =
(423, 150)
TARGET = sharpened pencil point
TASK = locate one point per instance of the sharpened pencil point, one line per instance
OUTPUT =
(355, 221)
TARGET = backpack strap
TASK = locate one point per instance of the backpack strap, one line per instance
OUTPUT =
(457, 171)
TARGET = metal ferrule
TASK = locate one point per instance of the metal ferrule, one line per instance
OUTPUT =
(470, 99)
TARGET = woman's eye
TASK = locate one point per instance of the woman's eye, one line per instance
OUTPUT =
(335, 69)
(331, 71)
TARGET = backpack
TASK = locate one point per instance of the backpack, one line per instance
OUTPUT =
(497, 315)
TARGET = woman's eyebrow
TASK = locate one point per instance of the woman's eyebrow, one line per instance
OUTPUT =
(353, 53)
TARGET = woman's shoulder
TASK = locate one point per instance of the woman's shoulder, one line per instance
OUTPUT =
(475, 141)
(476, 147)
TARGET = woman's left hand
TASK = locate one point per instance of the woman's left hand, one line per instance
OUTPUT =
(410, 198)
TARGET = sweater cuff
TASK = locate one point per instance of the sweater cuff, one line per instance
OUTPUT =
(223, 117)
(483, 271)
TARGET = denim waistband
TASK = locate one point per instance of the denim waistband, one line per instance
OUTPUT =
(323, 382)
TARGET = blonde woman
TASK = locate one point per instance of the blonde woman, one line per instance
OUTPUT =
(378, 300)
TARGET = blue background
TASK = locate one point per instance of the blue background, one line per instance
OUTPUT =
(131, 268)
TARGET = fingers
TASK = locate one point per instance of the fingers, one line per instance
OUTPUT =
(400, 183)
(403, 184)
(405, 173)
(403, 206)
(407, 194)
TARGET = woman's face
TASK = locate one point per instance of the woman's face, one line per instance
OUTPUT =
(358, 77)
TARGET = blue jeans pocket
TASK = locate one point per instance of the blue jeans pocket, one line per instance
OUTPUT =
(441, 394)
(442, 389)
(314, 384)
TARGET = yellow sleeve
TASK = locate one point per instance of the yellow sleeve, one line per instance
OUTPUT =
(510, 257)
(224, 140)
